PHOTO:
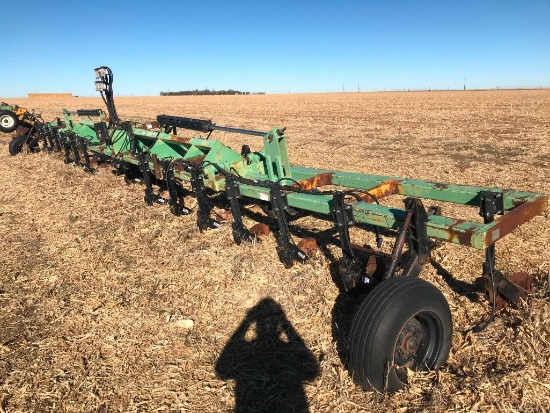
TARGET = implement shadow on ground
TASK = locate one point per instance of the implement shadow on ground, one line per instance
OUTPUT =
(269, 362)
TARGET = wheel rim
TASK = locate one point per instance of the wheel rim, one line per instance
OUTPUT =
(419, 342)
(7, 121)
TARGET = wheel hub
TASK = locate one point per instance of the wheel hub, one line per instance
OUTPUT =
(408, 343)
(6, 121)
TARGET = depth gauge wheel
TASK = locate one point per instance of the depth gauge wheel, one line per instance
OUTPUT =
(16, 145)
(403, 323)
(8, 121)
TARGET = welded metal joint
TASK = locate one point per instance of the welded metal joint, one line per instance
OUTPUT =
(413, 231)
(490, 204)
(417, 238)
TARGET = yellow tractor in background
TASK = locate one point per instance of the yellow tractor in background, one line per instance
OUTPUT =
(26, 125)
(12, 117)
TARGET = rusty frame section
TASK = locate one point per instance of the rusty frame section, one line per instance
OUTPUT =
(516, 216)
(307, 189)
(519, 207)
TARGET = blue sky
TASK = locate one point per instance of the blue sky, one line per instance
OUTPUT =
(273, 46)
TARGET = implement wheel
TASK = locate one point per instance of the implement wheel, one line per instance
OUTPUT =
(17, 144)
(404, 323)
(8, 121)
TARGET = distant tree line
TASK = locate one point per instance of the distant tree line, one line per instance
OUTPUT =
(208, 92)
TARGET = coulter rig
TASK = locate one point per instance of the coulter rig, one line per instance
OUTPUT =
(403, 321)
(16, 118)
(24, 123)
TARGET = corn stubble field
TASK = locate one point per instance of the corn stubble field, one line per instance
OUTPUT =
(109, 305)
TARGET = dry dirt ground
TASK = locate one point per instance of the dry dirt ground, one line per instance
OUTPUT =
(109, 305)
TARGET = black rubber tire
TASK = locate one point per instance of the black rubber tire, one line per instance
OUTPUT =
(8, 121)
(17, 144)
(397, 312)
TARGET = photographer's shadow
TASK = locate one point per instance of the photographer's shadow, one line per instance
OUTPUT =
(268, 361)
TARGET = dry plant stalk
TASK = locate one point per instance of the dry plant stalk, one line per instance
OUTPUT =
(110, 305)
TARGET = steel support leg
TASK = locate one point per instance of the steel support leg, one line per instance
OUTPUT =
(175, 206)
(204, 221)
(287, 250)
(240, 232)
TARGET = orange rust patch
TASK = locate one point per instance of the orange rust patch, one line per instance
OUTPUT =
(463, 235)
(225, 215)
(322, 179)
(521, 279)
(260, 230)
(195, 160)
(156, 167)
(383, 190)
(513, 219)
(179, 139)
(309, 246)
(148, 125)
(21, 130)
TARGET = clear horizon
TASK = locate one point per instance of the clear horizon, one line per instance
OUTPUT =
(118, 95)
(296, 47)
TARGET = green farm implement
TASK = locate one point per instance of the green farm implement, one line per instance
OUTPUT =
(12, 117)
(24, 123)
(9, 117)
(403, 321)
